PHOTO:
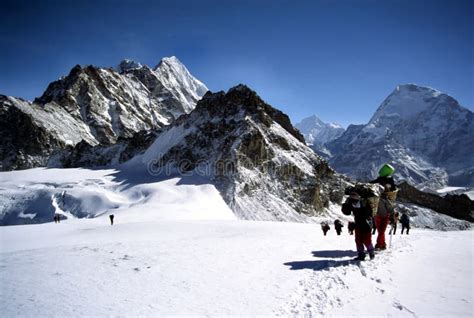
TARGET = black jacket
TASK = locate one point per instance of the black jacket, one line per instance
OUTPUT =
(362, 214)
(385, 180)
(405, 219)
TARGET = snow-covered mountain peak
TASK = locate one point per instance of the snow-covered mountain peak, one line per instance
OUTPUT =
(127, 64)
(178, 80)
(423, 132)
(170, 60)
(171, 63)
(242, 99)
(407, 101)
(96, 106)
(256, 158)
(317, 132)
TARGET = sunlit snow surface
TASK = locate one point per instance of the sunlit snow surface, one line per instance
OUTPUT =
(128, 194)
(177, 249)
(216, 268)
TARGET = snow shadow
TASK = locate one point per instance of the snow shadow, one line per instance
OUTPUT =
(334, 253)
(319, 265)
(131, 177)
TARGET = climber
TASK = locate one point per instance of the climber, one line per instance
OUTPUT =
(351, 227)
(338, 226)
(393, 223)
(405, 221)
(386, 203)
(325, 227)
(363, 224)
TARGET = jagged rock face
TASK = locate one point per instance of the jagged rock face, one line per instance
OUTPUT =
(22, 140)
(457, 206)
(179, 84)
(252, 153)
(99, 106)
(424, 133)
(86, 155)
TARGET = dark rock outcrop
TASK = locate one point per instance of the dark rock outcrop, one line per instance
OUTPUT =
(23, 142)
(456, 206)
(86, 155)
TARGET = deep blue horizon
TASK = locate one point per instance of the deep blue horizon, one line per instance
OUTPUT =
(336, 59)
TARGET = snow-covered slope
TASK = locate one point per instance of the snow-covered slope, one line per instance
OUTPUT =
(36, 195)
(424, 133)
(95, 105)
(250, 150)
(215, 268)
(317, 133)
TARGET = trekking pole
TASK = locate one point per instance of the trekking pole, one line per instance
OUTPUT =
(391, 234)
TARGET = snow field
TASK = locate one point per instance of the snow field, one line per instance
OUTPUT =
(216, 268)
(97, 193)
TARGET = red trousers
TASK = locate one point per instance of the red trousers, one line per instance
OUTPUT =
(363, 238)
(381, 224)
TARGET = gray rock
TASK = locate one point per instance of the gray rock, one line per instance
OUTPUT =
(250, 150)
(94, 106)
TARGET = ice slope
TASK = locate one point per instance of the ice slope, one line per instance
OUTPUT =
(35, 195)
(132, 193)
(223, 268)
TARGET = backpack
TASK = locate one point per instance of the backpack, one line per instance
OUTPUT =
(385, 207)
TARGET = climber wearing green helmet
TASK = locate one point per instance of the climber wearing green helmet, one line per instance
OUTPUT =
(386, 205)
(385, 178)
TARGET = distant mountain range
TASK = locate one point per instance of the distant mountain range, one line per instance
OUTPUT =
(318, 133)
(164, 119)
(424, 133)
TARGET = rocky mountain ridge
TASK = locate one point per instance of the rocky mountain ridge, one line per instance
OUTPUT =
(250, 150)
(94, 105)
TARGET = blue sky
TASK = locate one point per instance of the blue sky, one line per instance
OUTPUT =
(336, 59)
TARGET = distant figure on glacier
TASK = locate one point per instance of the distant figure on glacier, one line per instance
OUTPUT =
(351, 227)
(111, 217)
(393, 223)
(386, 203)
(325, 227)
(405, 220)
(338, 226)
(363, 224)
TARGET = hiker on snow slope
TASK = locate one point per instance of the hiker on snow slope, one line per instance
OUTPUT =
(405, 221)
(363, 224)
(386, 203)
(338, 226)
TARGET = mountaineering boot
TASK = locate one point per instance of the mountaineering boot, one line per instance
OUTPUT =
(361, 257)
(372, 255)
(380, 247)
